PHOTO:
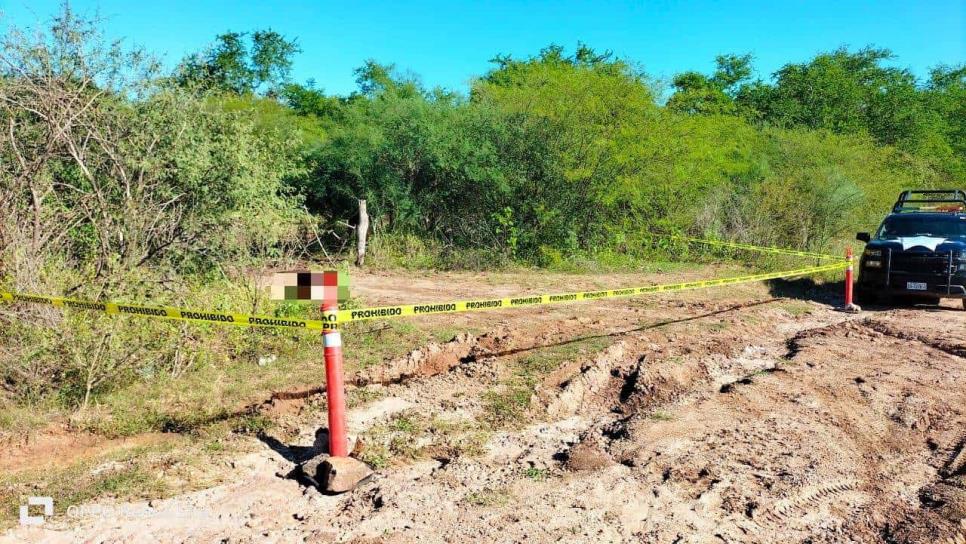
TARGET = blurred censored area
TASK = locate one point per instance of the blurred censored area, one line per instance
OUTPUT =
(328, 286)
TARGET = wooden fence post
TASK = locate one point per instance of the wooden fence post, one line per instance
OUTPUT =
(361, 232)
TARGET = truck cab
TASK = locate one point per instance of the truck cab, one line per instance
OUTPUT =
(919, 250)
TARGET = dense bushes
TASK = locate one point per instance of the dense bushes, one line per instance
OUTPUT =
(561, 155)
(116, 183)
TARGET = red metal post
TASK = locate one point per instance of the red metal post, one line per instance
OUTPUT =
(335, 388)
(848, 278)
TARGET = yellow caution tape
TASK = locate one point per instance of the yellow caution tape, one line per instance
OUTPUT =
(166, 312)
(749, 247)
(386, 312)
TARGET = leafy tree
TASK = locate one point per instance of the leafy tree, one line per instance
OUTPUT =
(945, 104)
(307, 100)
(428, 162)
(271, 57)
(586, 104)
(696, 93)
(843, 91)
(131, 171)
(847, 92)
(235, 65)
(731, 71)
(376, 81)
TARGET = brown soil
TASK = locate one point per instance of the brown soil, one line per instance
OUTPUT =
(58, 445)
(726, 416)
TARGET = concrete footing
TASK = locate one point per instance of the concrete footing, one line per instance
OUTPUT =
(335, 474)
(849, 309)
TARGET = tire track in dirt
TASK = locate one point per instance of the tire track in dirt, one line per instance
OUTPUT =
(951, 347)
(957, 462)
(804, 497)
(934, 416)
(810, 497)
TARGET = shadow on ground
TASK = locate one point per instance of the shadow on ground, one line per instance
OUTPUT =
(292, 454)
(833, 294)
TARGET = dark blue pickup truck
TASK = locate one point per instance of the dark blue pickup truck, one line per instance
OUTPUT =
(919, 251)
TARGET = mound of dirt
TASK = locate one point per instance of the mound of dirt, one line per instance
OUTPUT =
(430, 360)
(588, 454)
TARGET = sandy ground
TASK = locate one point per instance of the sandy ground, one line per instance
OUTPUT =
(753, 414)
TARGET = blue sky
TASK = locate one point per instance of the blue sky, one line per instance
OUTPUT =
(448, 43)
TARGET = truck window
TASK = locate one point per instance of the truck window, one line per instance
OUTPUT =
(912, 225)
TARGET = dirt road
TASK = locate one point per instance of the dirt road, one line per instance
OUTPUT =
(748, 415)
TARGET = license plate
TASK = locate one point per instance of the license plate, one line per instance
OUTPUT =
(915, 286)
